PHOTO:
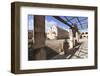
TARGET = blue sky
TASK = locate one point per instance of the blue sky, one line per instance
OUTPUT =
(49, 21)
(30, 22)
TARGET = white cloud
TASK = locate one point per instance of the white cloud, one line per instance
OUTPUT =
(84, 30)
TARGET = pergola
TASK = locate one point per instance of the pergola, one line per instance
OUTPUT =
(39, 26)
(79, 22)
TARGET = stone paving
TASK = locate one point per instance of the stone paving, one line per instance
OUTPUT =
(78, 52)
(83, 50)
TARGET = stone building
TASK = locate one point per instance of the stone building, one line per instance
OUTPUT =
(57, 33)
(84, 35)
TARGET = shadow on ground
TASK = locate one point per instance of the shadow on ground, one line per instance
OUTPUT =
(51, 54)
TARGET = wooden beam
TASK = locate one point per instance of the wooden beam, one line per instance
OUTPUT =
(68, 20)
(63, 21)
(79, 22)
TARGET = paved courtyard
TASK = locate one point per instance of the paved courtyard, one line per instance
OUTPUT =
(82, 52)
(78, 52)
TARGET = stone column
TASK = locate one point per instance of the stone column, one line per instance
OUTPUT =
(70, 40)
(39, 37)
